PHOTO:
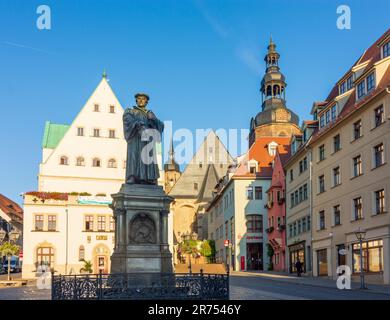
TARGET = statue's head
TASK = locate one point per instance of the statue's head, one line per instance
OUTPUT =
(142, 100)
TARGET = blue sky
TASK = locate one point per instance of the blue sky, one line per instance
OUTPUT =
(200, 61)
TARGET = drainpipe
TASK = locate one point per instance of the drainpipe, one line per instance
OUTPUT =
(388, 91)
(311, 209)
(66, 244)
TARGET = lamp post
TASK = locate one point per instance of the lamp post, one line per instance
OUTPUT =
(3, 233)
(360, 235)
(14, 235)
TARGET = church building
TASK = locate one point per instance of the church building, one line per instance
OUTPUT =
(240, 235)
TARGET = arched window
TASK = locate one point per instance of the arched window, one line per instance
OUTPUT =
(81, 253)
(64, 161)
(276, 90)
(111, 163)
(80, 162)
(269, 91)
(96, 162)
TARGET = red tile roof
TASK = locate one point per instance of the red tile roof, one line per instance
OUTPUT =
(370, 56)
(259, 152)
(10, 207)
(352, 106)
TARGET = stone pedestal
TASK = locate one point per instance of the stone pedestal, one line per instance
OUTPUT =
(141, 230)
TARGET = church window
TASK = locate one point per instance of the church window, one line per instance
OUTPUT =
(64, 161)
(96, 108)
(96, 133)
(80, 132)
(276, 90)
(112, 163)
(80, 161)
(96, 162)
(112, 109)
(269, 91)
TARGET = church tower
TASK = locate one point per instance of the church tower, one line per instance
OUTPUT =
(171, 170)
(275, 119)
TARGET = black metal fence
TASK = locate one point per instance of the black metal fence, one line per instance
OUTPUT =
(140, 286)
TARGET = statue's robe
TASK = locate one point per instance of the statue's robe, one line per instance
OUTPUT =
(134, 122)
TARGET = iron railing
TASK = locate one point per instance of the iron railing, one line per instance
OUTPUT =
(140, 286)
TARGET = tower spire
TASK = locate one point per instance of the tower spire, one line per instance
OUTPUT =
(171, 164)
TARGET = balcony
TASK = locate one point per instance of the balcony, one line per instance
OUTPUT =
(269, 204)
(269, 230)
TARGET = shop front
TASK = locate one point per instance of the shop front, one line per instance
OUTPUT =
(254, 252)
(297, 251)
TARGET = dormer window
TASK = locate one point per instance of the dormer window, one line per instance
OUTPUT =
(361, 89)
(349, 83)
(333, 111)
(370, 82)
(322, 121)
(272, 148)
(252, 166)
(365, 86)
(342, 88)
(386, 50)
(327, 117)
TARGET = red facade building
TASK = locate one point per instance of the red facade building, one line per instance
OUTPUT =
(276, 206)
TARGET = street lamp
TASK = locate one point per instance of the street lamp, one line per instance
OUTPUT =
(360, 235)
(14, 235)
(3, 233)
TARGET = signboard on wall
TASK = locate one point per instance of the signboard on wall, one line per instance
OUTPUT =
(253, 238)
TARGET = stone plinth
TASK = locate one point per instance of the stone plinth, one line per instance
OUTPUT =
(141, 230)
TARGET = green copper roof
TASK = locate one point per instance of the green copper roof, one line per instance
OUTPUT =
(53, 134)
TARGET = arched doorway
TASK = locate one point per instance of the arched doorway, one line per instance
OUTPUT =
(101, 258)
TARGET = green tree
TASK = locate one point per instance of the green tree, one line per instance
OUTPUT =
(87, 267)
(207, 249)
(8, 249)
(270, 254)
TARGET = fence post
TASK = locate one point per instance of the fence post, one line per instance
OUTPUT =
(75, 297)
(100, 285)
(52, 285)
(228, 284)
(201, 285)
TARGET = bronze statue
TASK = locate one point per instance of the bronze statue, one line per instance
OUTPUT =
(142, 130)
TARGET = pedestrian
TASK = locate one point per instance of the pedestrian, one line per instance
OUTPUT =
(298, 266)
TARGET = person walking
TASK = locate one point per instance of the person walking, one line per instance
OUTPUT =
(298, 267)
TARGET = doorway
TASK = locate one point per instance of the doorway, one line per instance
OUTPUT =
(254, 254)
(101, 256)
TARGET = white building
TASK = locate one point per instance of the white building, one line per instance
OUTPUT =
(68, 220)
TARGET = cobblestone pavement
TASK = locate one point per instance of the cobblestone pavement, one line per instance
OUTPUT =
(242, 287)
(29, 292)
(252, 287)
